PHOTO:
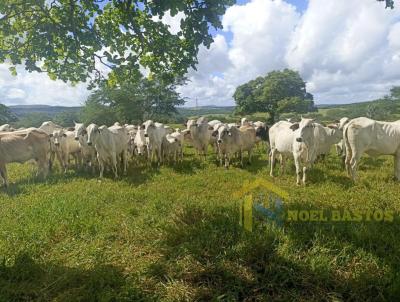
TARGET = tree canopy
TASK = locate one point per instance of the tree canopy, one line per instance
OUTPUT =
(69, 39)
(277, 92)
(148, 98)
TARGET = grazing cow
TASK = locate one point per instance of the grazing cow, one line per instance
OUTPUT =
(21, 148)
(200, 133)
(66, 146)
(364, 135)
(88, 152)
(232, 139)
(109, 144)
(171, 148)
(280, 141)
(155, 132)
(310, 140)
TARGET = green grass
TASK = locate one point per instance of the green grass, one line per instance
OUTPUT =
(172, 234)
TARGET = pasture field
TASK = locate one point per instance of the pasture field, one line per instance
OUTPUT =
(172, 234)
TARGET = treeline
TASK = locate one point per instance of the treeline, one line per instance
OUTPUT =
(278, 95)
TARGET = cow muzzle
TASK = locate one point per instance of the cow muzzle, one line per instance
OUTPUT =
(219, 141)
(299, 139)
(146, 135)
(89, 143)
(76, 138)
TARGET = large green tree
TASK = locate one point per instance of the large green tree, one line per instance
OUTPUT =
(148, 98)
(65, 38)
(278, 92)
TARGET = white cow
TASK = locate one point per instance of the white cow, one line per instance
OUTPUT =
(310, 140)
(180, 137)
(364, 135)
(6, 128)
(89, 155)
(66, 146)
(155, 132)
(340, 146)
(200, 133)
(49, 127)
(171, 148)
(280, 141)
(232, 140)
(110, 145)
(140, 142)
(21, 148)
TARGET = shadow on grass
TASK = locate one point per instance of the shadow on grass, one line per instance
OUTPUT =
(30, 280)
(222, 260)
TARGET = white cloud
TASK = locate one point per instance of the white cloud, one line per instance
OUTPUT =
(346, 50)
(34, 88)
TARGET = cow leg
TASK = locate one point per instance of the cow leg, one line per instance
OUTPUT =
(101, 166)
(3, 173)
(354, 162)
(283, 164)
(298, 170)
(397, 166)
(250, 153)
(272, 161)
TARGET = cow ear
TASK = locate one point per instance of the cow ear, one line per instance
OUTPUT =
(214, 134)
(295, 126)
(210, 128)
(332, 126)
(84, 132)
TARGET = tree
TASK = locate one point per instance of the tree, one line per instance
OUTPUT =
(66, 118)
(6, 116)
(389, 3)
(278, 92)
(149, 98)
(395, 93)
(68, 39)
(34, 119)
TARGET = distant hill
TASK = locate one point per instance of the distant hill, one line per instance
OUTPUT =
(21, 110)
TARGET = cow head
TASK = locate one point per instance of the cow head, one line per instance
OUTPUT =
(148, 126)
(305, 130)
(262, 133)
(223, 133)
(58, 136)
(93, 132)
(80, 130)
(140, 142)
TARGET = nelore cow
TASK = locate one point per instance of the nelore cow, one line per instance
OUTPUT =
(66, 146)
(21, 147)
(155, 133)
(364, 135)
(88, 152)
(232, 140)
(111, 145)
(311, 139)
(281, 143)
(200, 132)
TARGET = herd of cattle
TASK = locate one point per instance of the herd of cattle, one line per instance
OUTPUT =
(98, 147)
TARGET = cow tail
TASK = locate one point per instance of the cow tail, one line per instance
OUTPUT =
(347, 144)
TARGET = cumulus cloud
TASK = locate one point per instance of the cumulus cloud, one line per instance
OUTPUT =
(33, 88)
(346, 50)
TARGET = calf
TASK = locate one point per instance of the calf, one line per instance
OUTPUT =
(171, 148)
(66, 146)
